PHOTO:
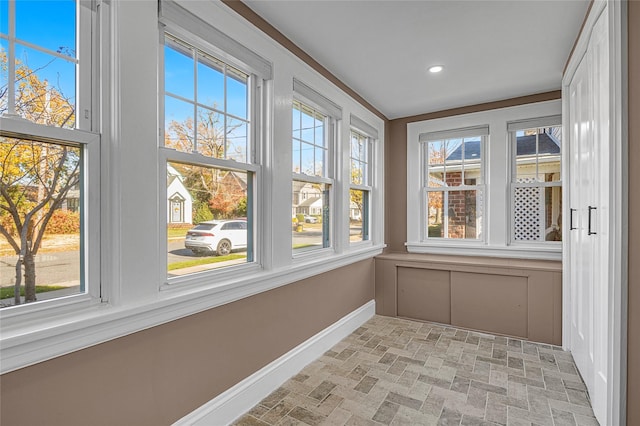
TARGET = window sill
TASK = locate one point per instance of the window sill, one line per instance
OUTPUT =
(511, 252)
(24, 343)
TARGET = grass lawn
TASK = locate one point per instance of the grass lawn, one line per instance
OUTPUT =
(7, 292)
(176, 232)
(204, 261)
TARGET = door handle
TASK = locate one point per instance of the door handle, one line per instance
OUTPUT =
(571, 227)
(589, 232)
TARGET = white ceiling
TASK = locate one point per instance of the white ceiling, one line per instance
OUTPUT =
(491, 50)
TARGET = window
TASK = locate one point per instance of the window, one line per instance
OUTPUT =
(360, 188)
(311, 197)
(50, 160)
(210, 160)
(536, 185)
(486, 183)
(454, 184)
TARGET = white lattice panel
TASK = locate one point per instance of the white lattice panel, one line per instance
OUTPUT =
(526, 215)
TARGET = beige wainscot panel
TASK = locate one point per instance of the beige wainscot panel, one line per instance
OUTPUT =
(489, 302)
(516, 297)
(424, 294)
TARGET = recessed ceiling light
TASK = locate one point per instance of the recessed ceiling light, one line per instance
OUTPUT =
(436, 68)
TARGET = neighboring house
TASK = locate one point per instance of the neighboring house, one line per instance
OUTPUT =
(311, 206)
(179, 200)
(307, 199)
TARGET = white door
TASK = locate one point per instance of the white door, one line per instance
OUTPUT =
(589, 200)
(580, 270)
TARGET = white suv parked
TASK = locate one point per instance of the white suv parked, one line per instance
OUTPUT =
(219, 236)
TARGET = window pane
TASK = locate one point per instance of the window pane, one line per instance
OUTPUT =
(296, 156)
(200, 201)
(435, 152)
(462, 214)
(473, 161)
(4, 16)
(237, 95)
(295, 121)
(210, 82)
(308, 128)
(527, 213)
(319, 161)
(553, 213)
(178, 124)
(454, 214)
(436, 177)
(319, 130)
(210, 133)
(310, 216)
(4, 76)
(52, 267)
(358, 215)
(357, 173)
(178, 70)
(435, 214)
(237, 142)
(308, 163)
(59, 19)
(45, 88)
(538, 154)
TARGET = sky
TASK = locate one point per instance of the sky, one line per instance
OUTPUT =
(49, 24)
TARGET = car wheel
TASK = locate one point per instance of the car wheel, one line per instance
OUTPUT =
(224, 248)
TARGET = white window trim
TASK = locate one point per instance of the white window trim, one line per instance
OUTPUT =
(48, 334)
(497, 180)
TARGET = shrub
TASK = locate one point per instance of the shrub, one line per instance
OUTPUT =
(64, 222)
(202, 213)
(300, 217)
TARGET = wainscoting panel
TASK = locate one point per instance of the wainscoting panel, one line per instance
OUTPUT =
(514, 297)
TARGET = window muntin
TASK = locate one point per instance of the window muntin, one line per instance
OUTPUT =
(312, 181)
(536, 185)
(211, 168)
(40, 68)
(453, 187)
(206, 104)
(360, 187)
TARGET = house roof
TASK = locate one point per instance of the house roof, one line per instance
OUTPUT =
(309, 202)
(526, 146)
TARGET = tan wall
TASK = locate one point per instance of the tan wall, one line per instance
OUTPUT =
(633, 354)
(521, 298)
(156, 376)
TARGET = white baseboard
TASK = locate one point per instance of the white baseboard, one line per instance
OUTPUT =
(233, 403)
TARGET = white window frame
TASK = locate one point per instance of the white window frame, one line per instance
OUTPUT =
(497, 183)
(425, 139)
(512, 128)
(310, 98)
(129, 159)
(254, 153)
(84, 135)
(364, 130)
